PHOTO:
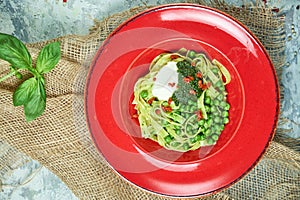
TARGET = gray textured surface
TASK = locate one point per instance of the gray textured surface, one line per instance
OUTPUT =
(30, 20)
(33, 21)
(291, 70)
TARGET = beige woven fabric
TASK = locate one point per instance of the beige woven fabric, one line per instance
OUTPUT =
(61, 142)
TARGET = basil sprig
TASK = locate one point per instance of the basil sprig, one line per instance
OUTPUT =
(31, 93)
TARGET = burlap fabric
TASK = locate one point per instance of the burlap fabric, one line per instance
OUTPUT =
(60, 140)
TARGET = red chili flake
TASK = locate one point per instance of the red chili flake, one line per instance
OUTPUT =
(198, 75)
(193, 92)
(199, 114)
(167, 108)
(171, 84)
(174, 57)
(154, 78)
(200, 84)
(170, 100)
(204, 87)
(193, 64)
(135, 116)
(186, 79)
(64, 1)
(191, 78)
(151, 100)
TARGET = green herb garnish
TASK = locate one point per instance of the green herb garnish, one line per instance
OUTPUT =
(31, 93)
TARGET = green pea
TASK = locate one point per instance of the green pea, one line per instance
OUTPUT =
(165, 122)
(207, 100)
(213, 109)
(190, 102)
(217, 119)
(191, 54)
(217, 130)
(215, 137)
(195, 127)
(225, 113)
(223, 104)
(144, 94)
(175, 144)
(176, 127)
(168, 139)
(226, 120)
(186, 146)
(216, 102)
(222, 88)
(227, 106)
(216, 126)
(182, 51)
(178, 131)
(219, 83)
(210, 141)
(187, 108)
(202, 137)
(186, 115)
(216, 113)
(207, 108)
(197, 138)
(213, 128)
(215, 70)
(206, 125)
(209, 121)
(189, 129)
(207, 132)
(165, 103)
(182, 108)
(193, 140)
(222, 127)
(220, 97)
(195, 102)
(201, 122)
(193, 108)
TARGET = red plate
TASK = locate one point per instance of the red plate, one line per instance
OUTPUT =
(253, 94)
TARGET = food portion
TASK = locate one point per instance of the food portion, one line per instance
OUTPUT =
(182, 102)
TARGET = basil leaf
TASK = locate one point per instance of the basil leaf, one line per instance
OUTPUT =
(48, 57)
(14, 51)
(36, 103)
(42, 88)
(23, 91)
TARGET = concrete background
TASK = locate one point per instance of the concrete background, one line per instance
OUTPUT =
(30, 21)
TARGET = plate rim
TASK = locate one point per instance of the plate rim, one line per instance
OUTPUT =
(172, 6)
